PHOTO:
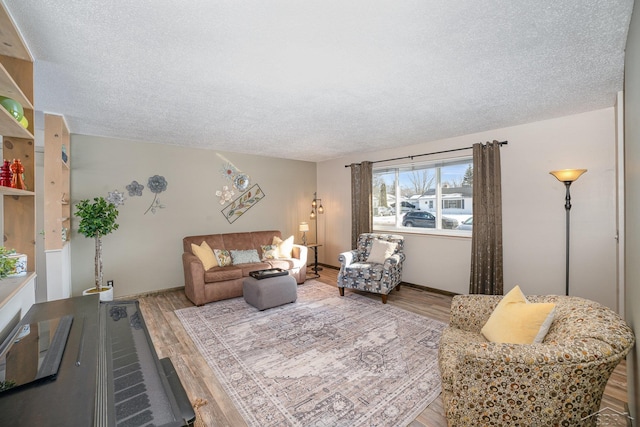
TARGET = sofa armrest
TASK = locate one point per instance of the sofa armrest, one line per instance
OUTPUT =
(471, 312)
(346, 258)
(489, 377)
(393, 261)
(300, 252)
(193, 278)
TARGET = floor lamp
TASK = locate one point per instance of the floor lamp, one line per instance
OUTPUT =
(567, 176)
(316, 209)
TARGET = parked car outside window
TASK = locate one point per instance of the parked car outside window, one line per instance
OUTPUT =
(427, 220)
(467, 224)
(405, 207)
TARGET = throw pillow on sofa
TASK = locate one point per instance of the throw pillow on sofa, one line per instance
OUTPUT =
(223, 256)
(205, 255)
(517, 321)
(269, 251)
(285, 247)
(244, 257)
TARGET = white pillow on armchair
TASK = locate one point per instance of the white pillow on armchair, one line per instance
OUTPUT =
(380, 251)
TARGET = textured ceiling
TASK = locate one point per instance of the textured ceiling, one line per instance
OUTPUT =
(317, 79)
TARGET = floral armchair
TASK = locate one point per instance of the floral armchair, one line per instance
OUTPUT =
(374, 266)
(557, 382)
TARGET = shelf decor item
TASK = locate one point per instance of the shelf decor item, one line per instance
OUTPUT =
(20, 266)
(5, 174)
(17, 175)
(97, 219)
(13, 107)
(7, 262)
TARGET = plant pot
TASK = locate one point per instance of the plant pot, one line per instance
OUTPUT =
(21, 265)
(106, 294)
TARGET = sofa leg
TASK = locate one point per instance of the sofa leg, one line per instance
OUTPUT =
(398, 288)
(341, 291)
(384, 299)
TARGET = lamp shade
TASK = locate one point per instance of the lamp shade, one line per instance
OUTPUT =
(568, 175)
(304, 226)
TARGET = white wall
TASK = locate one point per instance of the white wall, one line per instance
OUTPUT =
(144, 254)
(632, 206)
(533, 210)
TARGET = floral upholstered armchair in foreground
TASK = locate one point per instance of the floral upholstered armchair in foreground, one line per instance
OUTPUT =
(375, 266)
(556, 380)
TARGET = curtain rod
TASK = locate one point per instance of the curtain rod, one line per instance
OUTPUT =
(500, 143)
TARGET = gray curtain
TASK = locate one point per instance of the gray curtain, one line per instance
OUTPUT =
(361, 200)
(486, 241)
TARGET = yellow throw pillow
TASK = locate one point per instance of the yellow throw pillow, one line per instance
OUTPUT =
(205, 255)
(285, 247)
(517, 321)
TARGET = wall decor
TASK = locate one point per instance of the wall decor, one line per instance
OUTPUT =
(135, 189)
(225, 194)
(228, 171)
(115, 197)
(156, 184)
(243, 203)
(241, 181)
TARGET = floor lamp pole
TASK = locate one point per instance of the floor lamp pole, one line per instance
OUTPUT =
(567, 207)
(567, 176)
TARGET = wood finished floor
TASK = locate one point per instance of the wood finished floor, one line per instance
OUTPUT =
(171, 340)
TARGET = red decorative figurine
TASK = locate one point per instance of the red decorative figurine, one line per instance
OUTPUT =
(17, 180)
(5, 174)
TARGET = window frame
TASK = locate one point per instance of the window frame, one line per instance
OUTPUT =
(437, 165)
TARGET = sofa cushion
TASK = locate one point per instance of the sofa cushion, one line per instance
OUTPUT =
(517, 321)
(285, 263)
(220, 274)
(223, 256)
(244, 256)
(205, 255)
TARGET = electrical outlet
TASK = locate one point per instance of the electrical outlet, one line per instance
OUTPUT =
(110, 283)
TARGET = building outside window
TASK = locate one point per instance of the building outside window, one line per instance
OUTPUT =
(423, 197)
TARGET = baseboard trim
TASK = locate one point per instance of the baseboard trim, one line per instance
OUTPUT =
(411, 285)
(428, 289)
(148, 294)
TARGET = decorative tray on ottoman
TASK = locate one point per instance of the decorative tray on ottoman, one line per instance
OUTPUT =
(265, 274)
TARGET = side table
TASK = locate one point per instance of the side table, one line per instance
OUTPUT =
(315, 267)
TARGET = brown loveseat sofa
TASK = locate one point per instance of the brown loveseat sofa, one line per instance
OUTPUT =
(220, 283)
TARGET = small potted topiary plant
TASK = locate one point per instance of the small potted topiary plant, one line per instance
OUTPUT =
(97, 219)
(7, 263)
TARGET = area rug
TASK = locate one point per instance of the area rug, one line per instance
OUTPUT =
(323, 360)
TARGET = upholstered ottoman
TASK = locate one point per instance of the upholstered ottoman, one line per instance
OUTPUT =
(269, 292)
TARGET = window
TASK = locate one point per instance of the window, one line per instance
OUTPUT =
(425, 197)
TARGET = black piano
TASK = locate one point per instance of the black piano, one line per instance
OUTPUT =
(80, 362)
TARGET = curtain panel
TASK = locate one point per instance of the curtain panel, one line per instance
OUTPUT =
(361, 200)
(486, 240)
